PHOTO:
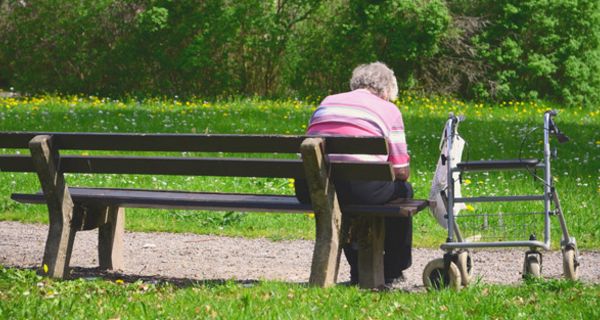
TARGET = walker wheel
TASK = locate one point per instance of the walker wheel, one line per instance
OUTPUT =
(434, 276)
(570, 265)
(465, 266)
(532, 266)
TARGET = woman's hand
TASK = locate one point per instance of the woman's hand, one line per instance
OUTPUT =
(402, 173)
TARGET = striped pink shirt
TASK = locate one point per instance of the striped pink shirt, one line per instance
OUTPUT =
(361, 113)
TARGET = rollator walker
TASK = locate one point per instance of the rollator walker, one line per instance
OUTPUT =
(495, 230)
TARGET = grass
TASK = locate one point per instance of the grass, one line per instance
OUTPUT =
(24, 295)
(501, 131)
(492, 131)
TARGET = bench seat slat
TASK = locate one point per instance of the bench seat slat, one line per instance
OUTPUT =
(192, 142)
(228, 167)
(134, 198)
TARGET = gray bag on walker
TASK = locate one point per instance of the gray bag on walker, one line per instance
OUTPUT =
(440, 183)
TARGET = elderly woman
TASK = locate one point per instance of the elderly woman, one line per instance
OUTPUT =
(367, 111)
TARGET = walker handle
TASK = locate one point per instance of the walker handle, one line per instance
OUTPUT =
(459, 118)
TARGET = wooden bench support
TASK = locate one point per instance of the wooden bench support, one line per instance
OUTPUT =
(110, 239)
(61, 233)
(370, 232)
(328, 216)
(110, 221)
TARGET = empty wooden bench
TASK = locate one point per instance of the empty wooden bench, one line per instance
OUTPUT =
(82, 208)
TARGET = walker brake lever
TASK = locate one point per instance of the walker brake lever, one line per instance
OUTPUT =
(561, 137)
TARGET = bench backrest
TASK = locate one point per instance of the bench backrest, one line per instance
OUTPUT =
(254, 164)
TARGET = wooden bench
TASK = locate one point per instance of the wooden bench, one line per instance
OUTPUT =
(72, 209)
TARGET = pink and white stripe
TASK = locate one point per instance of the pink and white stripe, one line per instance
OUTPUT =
(361, 113)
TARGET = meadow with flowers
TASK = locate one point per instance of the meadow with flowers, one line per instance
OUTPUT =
(507, 130)
(498, 131)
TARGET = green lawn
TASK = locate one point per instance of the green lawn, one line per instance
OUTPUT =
(492, 131)
(24, 295)
(500, 131)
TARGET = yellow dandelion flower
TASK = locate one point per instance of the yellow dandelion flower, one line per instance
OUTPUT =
(467, 182)
(311, 215)
(119, 281)
(45, 267)
(470, 208)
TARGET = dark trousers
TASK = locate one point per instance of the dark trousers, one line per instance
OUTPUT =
(398, 231)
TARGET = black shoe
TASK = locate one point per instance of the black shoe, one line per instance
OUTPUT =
(397, 280)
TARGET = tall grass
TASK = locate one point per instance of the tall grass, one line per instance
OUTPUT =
(501, 131)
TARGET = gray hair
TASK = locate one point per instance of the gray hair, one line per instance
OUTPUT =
(377, 78)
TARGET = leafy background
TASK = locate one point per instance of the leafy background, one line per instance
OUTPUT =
(482, 50)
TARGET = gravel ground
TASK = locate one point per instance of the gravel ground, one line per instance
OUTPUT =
(190, 257)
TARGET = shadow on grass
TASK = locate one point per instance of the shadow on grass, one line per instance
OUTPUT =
(93, 274)
(113, 276)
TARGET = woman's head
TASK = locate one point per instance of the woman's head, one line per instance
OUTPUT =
(377, 78)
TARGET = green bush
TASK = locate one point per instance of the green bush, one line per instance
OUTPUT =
(54, 44)
(401, 33)
(147, 47)
(174, 48)
(540, 49)
(505, 49)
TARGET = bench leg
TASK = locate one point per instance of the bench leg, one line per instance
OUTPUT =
(371, 239)
(61, 232)
(59, 246)
(326, 255)
(327, 252)
(110, 239)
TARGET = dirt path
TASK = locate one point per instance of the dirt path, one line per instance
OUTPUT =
(199, 257)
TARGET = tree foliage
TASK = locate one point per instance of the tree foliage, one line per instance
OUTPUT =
(540, 48)
(485, 49)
